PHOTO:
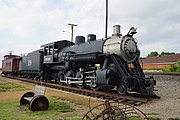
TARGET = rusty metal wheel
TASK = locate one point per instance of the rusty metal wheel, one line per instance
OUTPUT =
(114, 111)
(24, 101)
(39, 103)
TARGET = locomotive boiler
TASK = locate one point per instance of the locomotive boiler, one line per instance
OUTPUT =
(109, 61)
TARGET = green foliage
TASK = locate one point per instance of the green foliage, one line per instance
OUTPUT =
(157, 69)
(167, 53)
(173, 68)
(153, 54)
(178, 65)
(12, 111)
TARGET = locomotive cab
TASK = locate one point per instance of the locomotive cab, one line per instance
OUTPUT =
(51, 50)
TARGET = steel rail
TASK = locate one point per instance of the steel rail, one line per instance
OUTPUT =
(130, 99)
(163, 73)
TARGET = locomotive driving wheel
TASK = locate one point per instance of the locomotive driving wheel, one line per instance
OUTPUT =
(80, 78)
(121, 89)
(61, 78)
(69, 74)
(93, 85)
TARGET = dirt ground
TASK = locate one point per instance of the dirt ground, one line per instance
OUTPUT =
(166, 107)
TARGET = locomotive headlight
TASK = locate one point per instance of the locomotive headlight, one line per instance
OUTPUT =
(129, 47)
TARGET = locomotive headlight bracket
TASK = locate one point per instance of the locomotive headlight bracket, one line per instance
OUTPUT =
(132, 31)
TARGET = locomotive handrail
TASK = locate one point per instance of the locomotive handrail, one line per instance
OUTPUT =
(112, 43)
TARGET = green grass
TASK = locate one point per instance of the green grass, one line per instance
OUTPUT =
(73, 119)
(7, 87)
(12, 111)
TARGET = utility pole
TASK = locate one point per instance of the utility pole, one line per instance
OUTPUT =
(106, 23)
(72, 26)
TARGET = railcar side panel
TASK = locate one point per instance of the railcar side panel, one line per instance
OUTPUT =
(32, 62)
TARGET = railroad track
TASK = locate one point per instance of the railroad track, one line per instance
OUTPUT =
(163, 73)
(132, 99)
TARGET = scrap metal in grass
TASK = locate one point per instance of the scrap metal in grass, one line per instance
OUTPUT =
(113, 110)
(37, 101)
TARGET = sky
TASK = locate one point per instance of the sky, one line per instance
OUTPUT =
(27, 24)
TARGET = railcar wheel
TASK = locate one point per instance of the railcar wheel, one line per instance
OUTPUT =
(121, 89)
(69, 74)
(39, 103)
(80, 86)
(24, 101)
(61, 78)
(93, 86)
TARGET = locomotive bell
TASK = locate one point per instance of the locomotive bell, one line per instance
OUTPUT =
(132, 31)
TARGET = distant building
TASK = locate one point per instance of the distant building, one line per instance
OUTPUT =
(159, 61)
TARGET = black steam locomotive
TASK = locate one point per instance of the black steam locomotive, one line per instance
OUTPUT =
(109, 61)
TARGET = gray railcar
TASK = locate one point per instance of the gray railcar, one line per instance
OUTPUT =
(33, 62)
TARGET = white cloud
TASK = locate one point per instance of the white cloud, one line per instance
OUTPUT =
(26, 24)
(25, 17)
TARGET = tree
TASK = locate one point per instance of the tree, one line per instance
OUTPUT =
(167, 53)
(153, 54)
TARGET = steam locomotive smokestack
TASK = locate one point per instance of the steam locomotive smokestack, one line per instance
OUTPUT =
(116, 30)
